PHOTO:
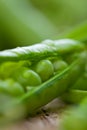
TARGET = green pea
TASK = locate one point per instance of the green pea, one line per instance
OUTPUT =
(28, 78)
(59, 65)
(11, 87)
(45, 69)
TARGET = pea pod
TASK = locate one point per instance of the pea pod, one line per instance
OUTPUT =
(74, 96)
(58, 84)
(54, 87)
(40, 51)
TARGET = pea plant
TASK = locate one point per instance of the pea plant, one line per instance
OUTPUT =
(32, 76)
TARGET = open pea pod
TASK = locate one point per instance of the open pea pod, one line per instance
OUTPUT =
(39, 96)
(14, 59)
(57, 84)
(32, 54)
(54, 87)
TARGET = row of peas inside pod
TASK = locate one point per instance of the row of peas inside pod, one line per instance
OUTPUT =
(19, 77)
(31, 73)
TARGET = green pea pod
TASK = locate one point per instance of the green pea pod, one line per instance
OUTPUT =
(40, 51)
(57, 85)
(74, 96)
(54, 87)
(49, 90)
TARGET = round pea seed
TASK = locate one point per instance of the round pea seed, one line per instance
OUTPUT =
(59, 65)
(11, 87)
(29, 78)
(45, 69)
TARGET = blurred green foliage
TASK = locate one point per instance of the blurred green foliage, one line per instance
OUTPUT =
(25, 22)
(63, 12)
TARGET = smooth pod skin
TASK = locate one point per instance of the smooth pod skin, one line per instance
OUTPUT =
(45, 69)
(74, 96)
(10, 87)
(28, 77)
